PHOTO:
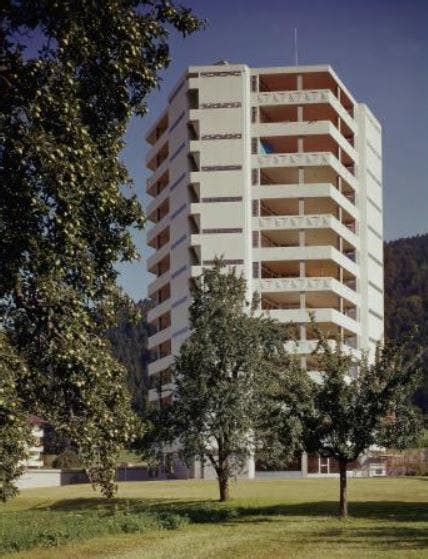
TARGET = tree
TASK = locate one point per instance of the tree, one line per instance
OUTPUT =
(15, 432)
(223, 376)
(65, 213)
(350, 413)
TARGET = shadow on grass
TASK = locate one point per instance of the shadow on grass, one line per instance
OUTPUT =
(213, 511)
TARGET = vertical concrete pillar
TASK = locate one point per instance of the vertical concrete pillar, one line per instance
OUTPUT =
(300, 147)
(339, 183)
(301, 175)
(304, 464)
(299, 82)
(301, 206)
(299, 114)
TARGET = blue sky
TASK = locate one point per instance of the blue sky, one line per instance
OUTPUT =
(379, 48)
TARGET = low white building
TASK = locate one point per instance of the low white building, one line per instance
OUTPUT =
(35, 459)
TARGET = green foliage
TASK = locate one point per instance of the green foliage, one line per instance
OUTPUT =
(15, 432)
(352, 412)
(65, 214)
(68, 459)
(59, 528)
(406, 297)
(224, 375)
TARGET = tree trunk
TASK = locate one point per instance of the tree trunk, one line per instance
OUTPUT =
(343, 488)
(223, 483)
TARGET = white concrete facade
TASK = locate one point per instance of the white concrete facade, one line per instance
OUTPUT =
(279, 171)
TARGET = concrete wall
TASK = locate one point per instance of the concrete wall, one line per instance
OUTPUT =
(55, 478)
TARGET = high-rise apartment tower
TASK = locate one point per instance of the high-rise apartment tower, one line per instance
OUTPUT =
(279, 171)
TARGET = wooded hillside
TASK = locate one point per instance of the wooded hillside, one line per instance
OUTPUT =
(406, 294)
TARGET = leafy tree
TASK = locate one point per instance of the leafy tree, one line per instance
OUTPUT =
(15, 432)
(65, 214)
(223, 376)
(351, 413)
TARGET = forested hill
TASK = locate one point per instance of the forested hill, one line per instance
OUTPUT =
(406, 294)
(129, 344)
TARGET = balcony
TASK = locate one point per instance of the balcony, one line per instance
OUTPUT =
(156, 148)
(159, 338)
(158, 129)
(158, 158)
(159, 282)
(266, 162)
(156, 187)
(160, 364)
(328, 316)
(307, 347)
(160, 199)
(155, 258)
(313, 81)
(159, 234)
(307, 130)
(307, 284)
(327, 256)
(312, 142)
(283, 104)
(316, 222)
(302, 176)
(316, 191)
(157, 174)
(161, 267)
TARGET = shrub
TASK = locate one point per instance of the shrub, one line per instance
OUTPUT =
(67, 460)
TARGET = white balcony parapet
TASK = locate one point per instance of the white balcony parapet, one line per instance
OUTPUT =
(275, 285)
(158, 228)
(158, 200)
(307, 190)
(307, 159)
(160, 142)
(303, 97)
(320, 315)
(167, 389)
(305, 128)
(315, 221)
(158, 255)
(305, 253)
(162, 336)
(306, 347)
(155, 124)
(158, 282)
(196, 271)
(160, 309)
(160, 364)
(157, 173)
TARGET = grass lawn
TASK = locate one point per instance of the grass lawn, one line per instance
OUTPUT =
(181, 519)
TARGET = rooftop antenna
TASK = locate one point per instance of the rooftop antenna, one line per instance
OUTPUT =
(296, 55)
